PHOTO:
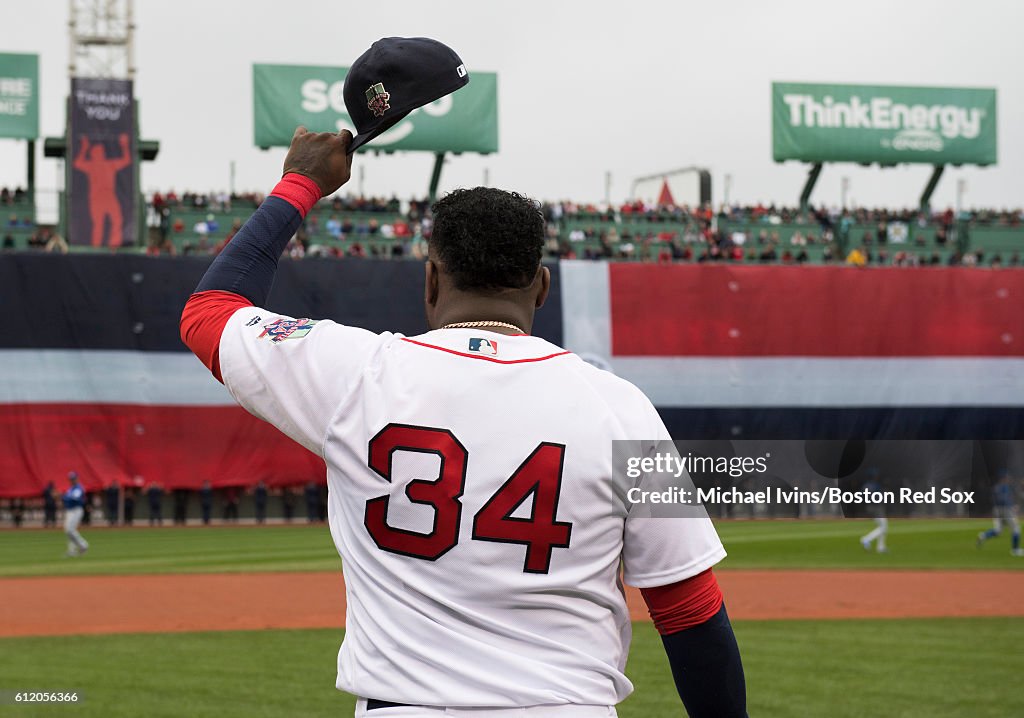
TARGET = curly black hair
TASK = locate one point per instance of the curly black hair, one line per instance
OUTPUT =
(488, 239)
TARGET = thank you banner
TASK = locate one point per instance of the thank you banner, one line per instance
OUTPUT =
(103, 163)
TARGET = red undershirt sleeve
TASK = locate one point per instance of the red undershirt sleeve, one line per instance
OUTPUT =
(683, 604)
(207, 312)
(203, 321)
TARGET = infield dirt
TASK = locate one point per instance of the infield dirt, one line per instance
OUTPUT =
(246, 601)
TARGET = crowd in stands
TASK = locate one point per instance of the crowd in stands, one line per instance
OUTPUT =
(708, 244)
(638, 231)
(18, 195)
(862, 215)
(20, 218)
(764, 247)
(43, 239)
(339, 226)
(634, 210)
(632, 231)
(214, 201)
(385, 227)
(773, 215)
(226, 202)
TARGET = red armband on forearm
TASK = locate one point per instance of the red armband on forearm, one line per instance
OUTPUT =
(299, 191)
(203, 321)
(683, 604)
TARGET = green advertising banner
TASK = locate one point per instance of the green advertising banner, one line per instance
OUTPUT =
(285, 96)
(19, 96)
(883, 123)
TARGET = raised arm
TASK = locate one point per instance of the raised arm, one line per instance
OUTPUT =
(83, 149)
(317, 164)
(701, 647)
(126, 148)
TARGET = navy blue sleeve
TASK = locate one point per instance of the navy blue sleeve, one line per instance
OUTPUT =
(248, 264)
(707, 669)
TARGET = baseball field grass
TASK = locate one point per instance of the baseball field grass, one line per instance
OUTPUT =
(907, 668)
(213, 549)
(946, 668)
(914, 544)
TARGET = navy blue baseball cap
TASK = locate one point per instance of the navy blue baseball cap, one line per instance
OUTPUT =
(396, 76)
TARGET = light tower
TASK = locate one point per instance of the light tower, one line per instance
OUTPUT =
(101, 35)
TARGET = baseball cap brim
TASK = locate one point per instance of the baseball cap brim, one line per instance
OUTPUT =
(363, 137)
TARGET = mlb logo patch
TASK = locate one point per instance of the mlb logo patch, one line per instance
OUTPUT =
(283, 329)
(483, 346)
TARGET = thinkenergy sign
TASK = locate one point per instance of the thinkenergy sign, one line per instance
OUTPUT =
(886, 124)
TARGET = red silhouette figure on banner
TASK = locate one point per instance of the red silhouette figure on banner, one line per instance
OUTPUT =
(103, 200)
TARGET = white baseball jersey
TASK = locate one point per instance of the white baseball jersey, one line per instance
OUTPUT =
(471, 500)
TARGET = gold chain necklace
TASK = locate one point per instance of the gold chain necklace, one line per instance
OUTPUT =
(472, 325)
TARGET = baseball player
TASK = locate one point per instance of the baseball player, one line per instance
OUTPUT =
(1004, 512)
(876, 535)
(74, 509)
(469, 474)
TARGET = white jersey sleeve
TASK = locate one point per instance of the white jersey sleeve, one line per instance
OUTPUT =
(294, 373)
(658, 551)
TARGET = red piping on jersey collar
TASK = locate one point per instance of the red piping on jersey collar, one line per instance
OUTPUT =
(477, 356)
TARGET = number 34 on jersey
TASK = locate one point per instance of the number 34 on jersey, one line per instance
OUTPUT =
(538, 480)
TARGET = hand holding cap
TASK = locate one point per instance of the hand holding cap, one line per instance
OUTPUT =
(324, 157)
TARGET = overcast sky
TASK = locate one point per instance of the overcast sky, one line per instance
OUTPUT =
(585, 87)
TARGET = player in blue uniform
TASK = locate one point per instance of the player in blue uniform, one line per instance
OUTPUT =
(1004, 511)
(881, 530)
(74, 509)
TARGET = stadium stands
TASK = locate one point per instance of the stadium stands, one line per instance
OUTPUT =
(385, 227)
(636, 232)
(17, 220)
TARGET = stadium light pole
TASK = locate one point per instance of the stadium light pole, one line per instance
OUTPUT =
(961, 189)
(102, 38)
(608, 188)
(728, 188)
(844, 189)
